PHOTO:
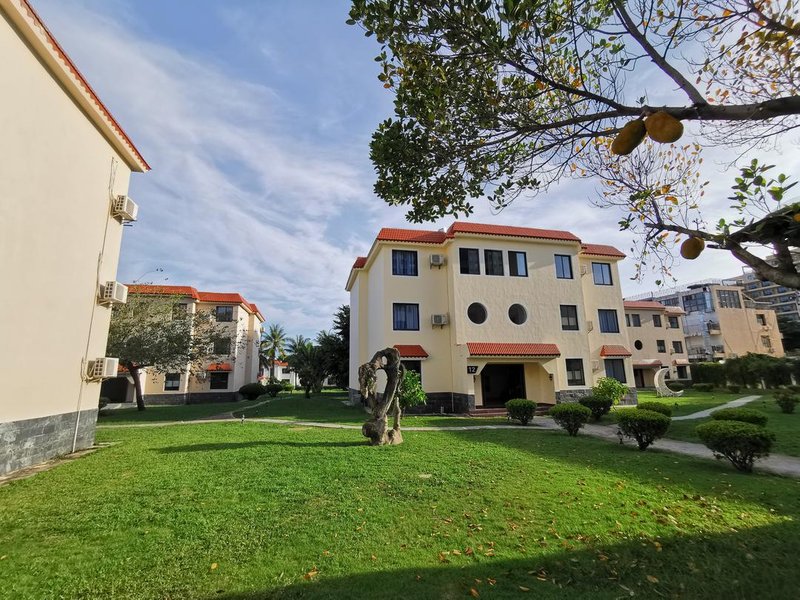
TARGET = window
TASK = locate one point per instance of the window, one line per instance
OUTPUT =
(766, 342)
(615, 367)
(677, 347)
(601, 273)
(404, 262)
(627, 320)
(661, 345)
(695, 302)
(673, 322)
(656, 320)
(517, 314)
(172, 381)
(767, 292)
(670, 301)
(222, 346)
(608, 321)
(569, 317)
(683, 373)
(761, 319)
(494, 262)
(476, 313)
(469, 260)
(517, 264)
(218, 381)
(224, 314)
(575, 372)
(405, 317)
(563, 266)
(728, 299)
(413, 365)
(636, 320)
(638, 344)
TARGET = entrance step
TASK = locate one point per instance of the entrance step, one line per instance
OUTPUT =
(541, 409)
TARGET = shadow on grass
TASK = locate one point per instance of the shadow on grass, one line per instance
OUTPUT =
(744, 563)
(219, 446)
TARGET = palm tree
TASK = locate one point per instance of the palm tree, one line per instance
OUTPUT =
(272, 348)
(306, 359)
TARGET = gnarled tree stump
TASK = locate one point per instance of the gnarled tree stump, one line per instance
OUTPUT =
(377, 428)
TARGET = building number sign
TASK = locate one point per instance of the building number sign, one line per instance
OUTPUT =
(472, 369)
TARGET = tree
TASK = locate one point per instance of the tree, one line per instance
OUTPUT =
(790, 330)
(272, 348)
(499, 98)
(335, 347)
(377, 428)
(157, 333)
(307, 361)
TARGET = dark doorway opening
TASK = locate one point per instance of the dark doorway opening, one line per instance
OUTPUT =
(501, 383)
(115, 389)
(638, 377)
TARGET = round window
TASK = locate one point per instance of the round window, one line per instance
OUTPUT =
(476, 313)
(517, 314)
(637, 344)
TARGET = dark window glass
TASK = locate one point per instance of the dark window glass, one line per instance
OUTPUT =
(569, 317)
(729, 299)
(563, 266)
(218, 381)
(494, 262)
(636, 321)
(469, 260)
(695, 302)
(608, 320)
(413, 365)
(761, 319)
(517, 314)
(224, 313)
(677, 347)
(476, 313)
(172, 381)
(404, 262)
(615, 367)
(661, 345)
(222, 346)
(517, 264)
(673, 323)
(656, 320)
(627, 320)
(602, 273)
(405, 317)
(638, 344)
(670, 301)
(682, 373)
(575, 372)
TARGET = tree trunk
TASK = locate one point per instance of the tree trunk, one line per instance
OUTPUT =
(271, 370)
(137, 385)
(376, 429)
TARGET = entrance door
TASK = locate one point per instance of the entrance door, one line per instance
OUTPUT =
(501, 383)
(638, 378)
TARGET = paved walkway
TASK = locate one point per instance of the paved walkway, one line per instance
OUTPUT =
(707, 413)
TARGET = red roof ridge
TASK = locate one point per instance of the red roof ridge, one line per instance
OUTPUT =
(602, 250)
(644, 304)
(186, 290)
(361, 262)
(420, 236)
(614, 350)
(411, 351)
(512, 349)
(510, 231)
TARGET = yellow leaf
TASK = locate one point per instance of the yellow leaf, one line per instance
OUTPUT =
(214, 566)
(473, 592)
(652, 579)
(491, 581)
(373, 557)
(311, 574)
(522, 588)
(672, 199)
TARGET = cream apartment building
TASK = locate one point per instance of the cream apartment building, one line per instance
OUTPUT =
(233, 364)
(657, 341)
(487, 313)
(65, 165)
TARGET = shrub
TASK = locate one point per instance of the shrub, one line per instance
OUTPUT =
(610, 389)
(570, 416)
(787, 400)
(709, 372)
(675, 386)
(272, 389)
(794, 388)
(251, 391)
(287, 386)
(659, 407)
(703, 387)
(645, 426)
(411, 392)
(598, 406)
(744, 415)
(521, 410)
(741, 443)
(734, 389)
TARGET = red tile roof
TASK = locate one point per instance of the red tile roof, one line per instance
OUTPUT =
(361, 262)
(219, 367)
(389, 234)
(223, 297)
(510, 349)
(644, 305)
(281, 363)
(511, 231)
(613, 350)
(601, 250)
(185, 290)
(411, 351)
(676, 310)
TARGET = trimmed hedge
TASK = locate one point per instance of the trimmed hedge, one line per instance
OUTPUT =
(645, 426)
(272, 389)
(744, 415)
(570, 416)
(741, 443)
(675, 386)
(598, 405)
(659, 407)
(521, 410)
(787, 400)
(703, 387)
(251, 391)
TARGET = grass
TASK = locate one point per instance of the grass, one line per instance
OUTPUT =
(184, 412)
(247, 511)
(692, 401)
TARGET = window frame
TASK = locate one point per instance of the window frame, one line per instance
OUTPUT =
(514, 264)
(466, 263)
(575, 381)
(614, 362)
(406, 306)
(412, 364)
(603, 314)
(496, 254)
(218, 376)
(761, 319)
(676, 321)
(399, 263)
(661, 346)
(482, 307)
(657, 321)
(559, 265)
(223, 308)
(636, 320)
(169, 378)
(569, 318)
(677, 347)
(602, 274)
(524, 313)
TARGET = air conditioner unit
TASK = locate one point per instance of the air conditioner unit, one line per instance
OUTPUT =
(438, 260)
(595, 365)
(584, 269)
(439, 320)
(104, 367)
(124, 208)
(589, 325)
(113, 292)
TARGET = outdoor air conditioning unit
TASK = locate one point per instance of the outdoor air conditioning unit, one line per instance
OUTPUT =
(113, 292)
(595, 365)
(124, 208)
(103, 368)
(439, 320)
(589, 325)
(438, 260)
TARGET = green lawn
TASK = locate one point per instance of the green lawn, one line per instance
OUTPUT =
(692, 401)
(182, 412)
(251, 511)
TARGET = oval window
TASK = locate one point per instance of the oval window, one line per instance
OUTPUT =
(517, 314)
(637, 344)
(476, 313)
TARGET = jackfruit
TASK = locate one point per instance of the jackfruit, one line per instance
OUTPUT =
(691, 248)
(628, 138)
(662, 127)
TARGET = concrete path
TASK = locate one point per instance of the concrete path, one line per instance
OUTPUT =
(707, 413)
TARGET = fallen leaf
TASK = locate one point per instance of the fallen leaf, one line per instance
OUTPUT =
(214, 566)
(311, 574)
(456, 552)
(473, 592)
(491, 581)
(373, 557)
(652, 579)
(469, 551)
(522, 588)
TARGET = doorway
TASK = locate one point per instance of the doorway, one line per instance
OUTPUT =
(501, 383)
(638, 377)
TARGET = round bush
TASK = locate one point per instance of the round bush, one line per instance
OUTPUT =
(251, 391)
(703, 387)
(609, 388)
(570, 416)
(272, 389)
(741, 443)
(787, 400)
(675, 386)
(659, 407)
(645, 426)
(521, 410)
(744, 415)
(598, 405)
(734, 389)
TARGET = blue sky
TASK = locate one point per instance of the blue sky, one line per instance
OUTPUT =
(256, 118)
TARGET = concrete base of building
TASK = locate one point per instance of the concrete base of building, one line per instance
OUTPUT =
(438, 403)
(190, 398)
(33, 441)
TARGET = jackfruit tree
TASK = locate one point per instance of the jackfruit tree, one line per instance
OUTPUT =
(500, 98)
